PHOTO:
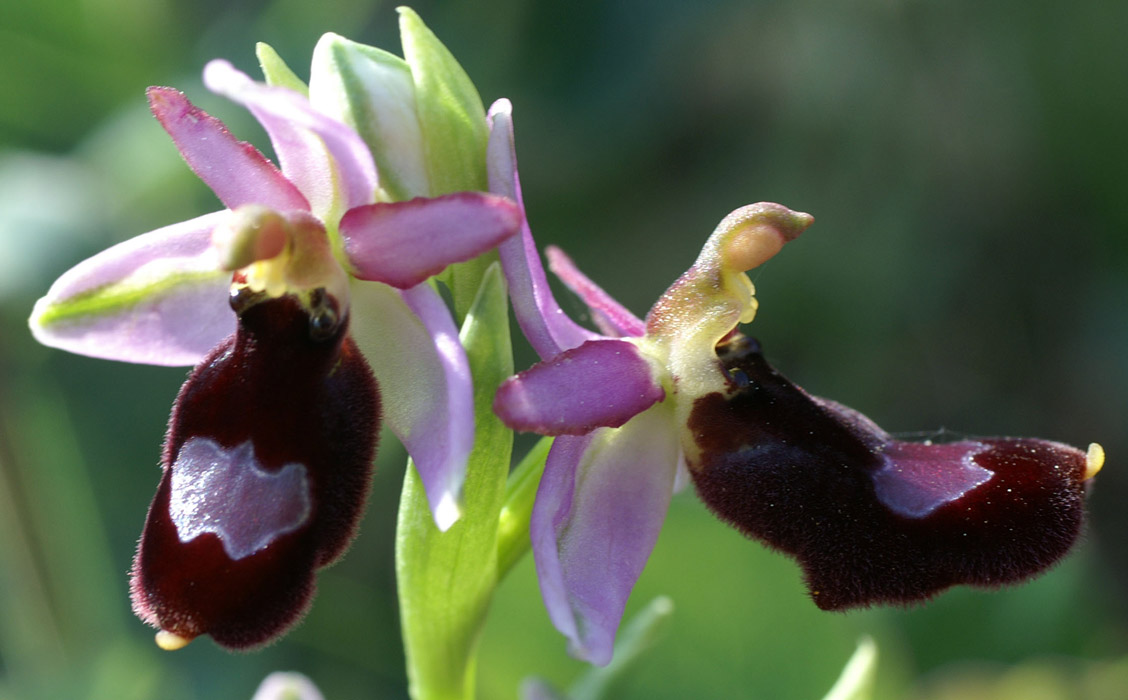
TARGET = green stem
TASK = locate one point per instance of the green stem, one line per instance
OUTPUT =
(513, 525)
(446, 579)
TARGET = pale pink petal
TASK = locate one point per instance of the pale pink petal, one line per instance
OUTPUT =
(320, 155)
(602, 383)
(233, 169)
(600, 506)
(411, 342)
(613, 318)
(404, 243)
(159, 298)
(545, 325)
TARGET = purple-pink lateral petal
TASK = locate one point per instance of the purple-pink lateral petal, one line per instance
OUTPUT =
(404, 243)
(599, 509)
(613, 318)
(302, 139)
(542, 321)
(233, 169)
(602, 383)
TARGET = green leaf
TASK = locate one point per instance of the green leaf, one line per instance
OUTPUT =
(275, 70)
(520, 493)
(373, 91)
(635, 639)
(856, 681)
(599, 682)
(446, 580)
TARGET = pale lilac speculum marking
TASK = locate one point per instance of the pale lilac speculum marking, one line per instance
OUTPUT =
(919, 478)
(227, 493)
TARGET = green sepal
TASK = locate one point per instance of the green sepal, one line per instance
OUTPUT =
(275, 70)
(373, 91)
(446, 580)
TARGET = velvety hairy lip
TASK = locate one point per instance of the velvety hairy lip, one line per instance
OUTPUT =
(285, 414)
(869, 518)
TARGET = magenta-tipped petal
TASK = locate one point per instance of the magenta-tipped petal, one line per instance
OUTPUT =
(599, 509)
(404, 243)
(602, 383)
(544, 324)
(317, 153)
(233, 169)
(424, 382)
(613, 318)
(159, 298)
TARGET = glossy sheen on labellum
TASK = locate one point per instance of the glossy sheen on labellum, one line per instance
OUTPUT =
(229, 494)
(267, 465)
(872, 519)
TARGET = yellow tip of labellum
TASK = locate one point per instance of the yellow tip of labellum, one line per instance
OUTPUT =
(1094, 460)
(171, 642)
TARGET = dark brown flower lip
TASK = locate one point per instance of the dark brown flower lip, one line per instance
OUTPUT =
(278, 417)
(869, 518)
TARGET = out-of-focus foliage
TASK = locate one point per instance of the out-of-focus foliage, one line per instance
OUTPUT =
(1037, 679)
(968, 270)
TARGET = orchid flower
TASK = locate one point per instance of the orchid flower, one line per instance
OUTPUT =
(269, 452)
(870, 519)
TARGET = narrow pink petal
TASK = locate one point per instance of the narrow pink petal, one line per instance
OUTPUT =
(613, 318)
(404, 243)
(159, 299)
(602, 383)
(411, 342)
(545, 325)
(235, 170)
(320, 155)
(600, 506)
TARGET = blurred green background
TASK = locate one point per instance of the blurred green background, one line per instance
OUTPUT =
(967, 274)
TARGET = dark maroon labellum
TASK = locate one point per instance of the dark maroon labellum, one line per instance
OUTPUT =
(872, 519)
(266, 468)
